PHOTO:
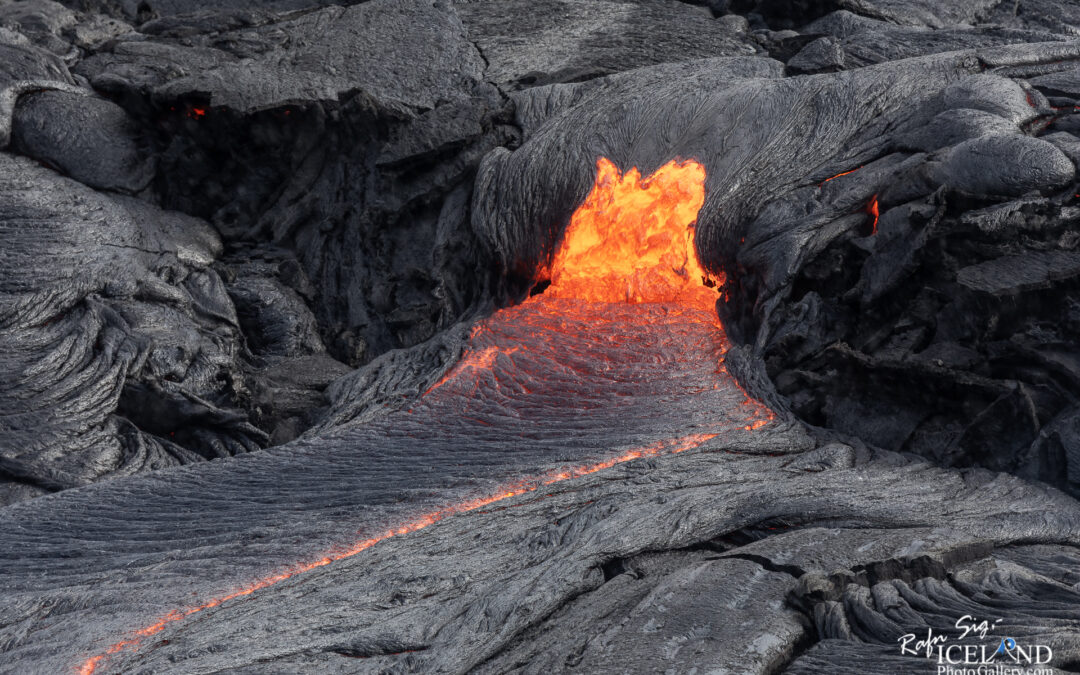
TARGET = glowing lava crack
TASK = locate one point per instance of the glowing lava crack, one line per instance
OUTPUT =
(629, 317)
(425, 520)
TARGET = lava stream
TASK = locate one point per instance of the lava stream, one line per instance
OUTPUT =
(625, 337)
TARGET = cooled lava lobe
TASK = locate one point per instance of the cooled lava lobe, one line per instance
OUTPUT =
(594, 336)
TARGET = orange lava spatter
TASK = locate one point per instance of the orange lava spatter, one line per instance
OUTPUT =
(633, 239)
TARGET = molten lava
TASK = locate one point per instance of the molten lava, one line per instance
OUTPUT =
(633, 239)
(626, 337)
(842, 173)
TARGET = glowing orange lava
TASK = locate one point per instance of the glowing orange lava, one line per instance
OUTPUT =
(842, 173)
(633, 239)
(873, 209)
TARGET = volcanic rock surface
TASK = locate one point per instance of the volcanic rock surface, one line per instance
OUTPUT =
(318, 352)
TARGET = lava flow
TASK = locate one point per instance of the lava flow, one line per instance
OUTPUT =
(633, 240)
(620, 358)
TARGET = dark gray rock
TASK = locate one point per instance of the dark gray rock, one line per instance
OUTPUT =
(867, 40)
(274, 317)
(858, 618)
(996, 95)
(318, 56)
(822, 55)
(90, 139)
(25, 68)
(1007, 165)
(681, 602)
(1016, 274)
(144, 11)
(44, 23)
(956, 125)
(110, 313)
(929, 13)
(1067, 143)
(1061, 83)
(568, 41)
(23, 61)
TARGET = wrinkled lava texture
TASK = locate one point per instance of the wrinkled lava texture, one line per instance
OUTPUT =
(494, 336)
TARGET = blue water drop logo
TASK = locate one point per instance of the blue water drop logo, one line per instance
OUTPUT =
(1007, 645)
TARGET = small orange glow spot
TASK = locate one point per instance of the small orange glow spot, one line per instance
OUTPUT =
(90, 665)
(844, 173)
(633, 239)
(197, 113)
(872, 209)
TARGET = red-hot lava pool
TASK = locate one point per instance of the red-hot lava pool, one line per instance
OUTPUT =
(620, 358)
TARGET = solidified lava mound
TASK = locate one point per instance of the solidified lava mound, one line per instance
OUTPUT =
(492, 336)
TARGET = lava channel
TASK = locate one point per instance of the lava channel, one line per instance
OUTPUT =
(620, 358)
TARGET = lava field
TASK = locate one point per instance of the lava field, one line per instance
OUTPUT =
(560, 336)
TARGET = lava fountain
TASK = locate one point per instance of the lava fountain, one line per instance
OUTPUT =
(620, 358)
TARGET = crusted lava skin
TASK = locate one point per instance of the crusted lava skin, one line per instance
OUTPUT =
(284, 386)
